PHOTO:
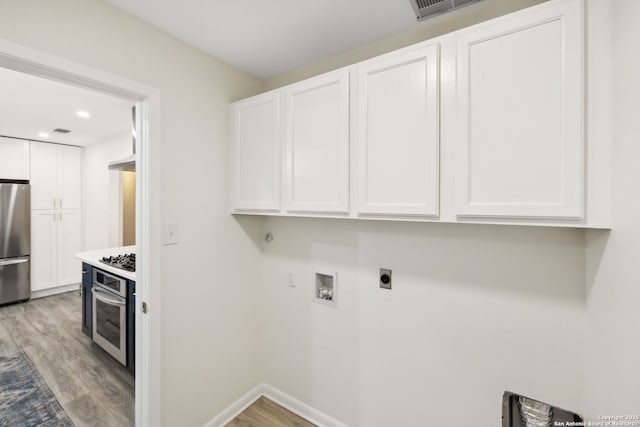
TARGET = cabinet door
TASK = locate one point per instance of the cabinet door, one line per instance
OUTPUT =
(69, 177)
(256, 153)
(398, 134)
(14, 159)
(44, 175)
(317, 144)
(520, 118)
(43, 250)
(69, 244)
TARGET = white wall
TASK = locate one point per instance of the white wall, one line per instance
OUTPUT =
(474, 311)
(101, 192)
(210, 338)
(428, 29)
(613, 270)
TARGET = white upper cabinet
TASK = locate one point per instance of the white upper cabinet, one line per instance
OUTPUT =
(520, 150)
(317, 144)
(44, 177)
(70, 177)
(14, 158)
(483, 125)
(56, 178)
(256, 153)
(398, 134)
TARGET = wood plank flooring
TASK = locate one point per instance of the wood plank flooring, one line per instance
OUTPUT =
(266, 413)
(92, 387)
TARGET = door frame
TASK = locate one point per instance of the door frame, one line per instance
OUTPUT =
(148, 333)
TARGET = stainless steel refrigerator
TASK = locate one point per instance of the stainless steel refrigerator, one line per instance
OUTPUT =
(15, 242)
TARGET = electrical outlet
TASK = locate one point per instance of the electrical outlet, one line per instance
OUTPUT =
(385, 278)
(290, 282)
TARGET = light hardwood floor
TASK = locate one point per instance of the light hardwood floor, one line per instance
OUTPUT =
(92, 387)
(266, 413)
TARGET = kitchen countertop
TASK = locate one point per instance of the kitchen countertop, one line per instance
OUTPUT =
(94, 257)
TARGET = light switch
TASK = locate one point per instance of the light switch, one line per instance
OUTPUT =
(169, 233)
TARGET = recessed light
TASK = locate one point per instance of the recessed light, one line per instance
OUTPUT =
(43, 135)
(83, 114)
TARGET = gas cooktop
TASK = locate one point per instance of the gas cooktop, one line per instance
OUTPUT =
(125, 262)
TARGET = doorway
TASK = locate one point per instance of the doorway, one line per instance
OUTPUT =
(147, 332)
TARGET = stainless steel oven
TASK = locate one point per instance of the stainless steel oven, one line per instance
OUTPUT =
(110, 314)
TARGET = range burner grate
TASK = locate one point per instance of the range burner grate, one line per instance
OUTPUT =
(125, 262)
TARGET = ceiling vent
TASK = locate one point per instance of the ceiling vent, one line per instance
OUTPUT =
(60, 130)
(425, 9)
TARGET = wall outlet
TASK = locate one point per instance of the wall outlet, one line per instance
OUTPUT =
(385, 278)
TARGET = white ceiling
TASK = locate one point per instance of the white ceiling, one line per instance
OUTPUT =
(267, 37)
(29, 105)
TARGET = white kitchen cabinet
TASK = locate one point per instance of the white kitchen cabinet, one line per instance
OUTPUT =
(317, 144)
(483, 125)
(56, 178)
(44, 250)
(55, 239)
(44, 176)
(70, 177)
(256, 153)
(520, 150)
(56, 199)
(69, 244)
(398, 134)
(14, 158)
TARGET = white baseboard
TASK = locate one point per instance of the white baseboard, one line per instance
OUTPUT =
(54, 291)
(232, 411)
(288, 402)
(300, 408)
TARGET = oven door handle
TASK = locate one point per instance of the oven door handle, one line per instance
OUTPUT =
(100, 296)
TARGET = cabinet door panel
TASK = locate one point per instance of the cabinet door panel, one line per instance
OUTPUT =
(256, 153)
(14, 159)
(520, 151)
(70, 177)
(398, 134)
(69, 244)
(44, 170)
(43, 250)
(317, 144)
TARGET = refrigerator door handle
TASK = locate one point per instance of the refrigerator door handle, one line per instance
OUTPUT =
(13, 261)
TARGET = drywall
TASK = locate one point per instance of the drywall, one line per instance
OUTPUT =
(474, 311)
(425, 30)
(613, 270)
(102, 225)
(210, 280)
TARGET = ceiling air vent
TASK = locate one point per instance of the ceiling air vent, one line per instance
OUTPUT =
(425, 9)
(60, 130)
